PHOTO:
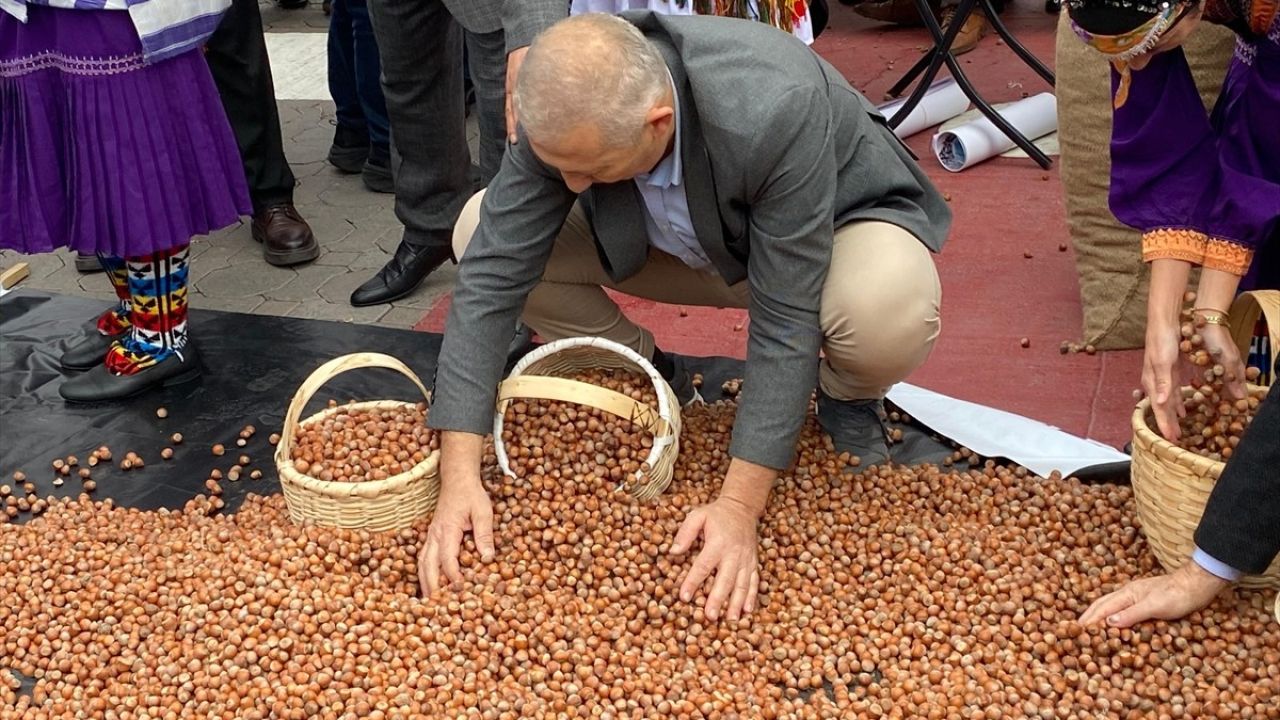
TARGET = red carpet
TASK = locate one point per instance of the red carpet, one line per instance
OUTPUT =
(992, 295)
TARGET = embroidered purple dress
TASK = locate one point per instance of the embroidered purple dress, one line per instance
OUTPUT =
(111, 144)
(1204, 189)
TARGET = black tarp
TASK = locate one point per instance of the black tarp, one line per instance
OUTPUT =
(253, 365)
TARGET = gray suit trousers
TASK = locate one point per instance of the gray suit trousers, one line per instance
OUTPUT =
(420, 45)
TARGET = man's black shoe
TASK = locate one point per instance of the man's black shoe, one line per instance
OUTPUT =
(399, 277)
(856, 427)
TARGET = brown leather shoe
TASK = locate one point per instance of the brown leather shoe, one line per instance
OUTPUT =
(286, 238)
(974, 28)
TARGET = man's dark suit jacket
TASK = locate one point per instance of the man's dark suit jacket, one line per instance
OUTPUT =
(1241, 524)
(778, 150)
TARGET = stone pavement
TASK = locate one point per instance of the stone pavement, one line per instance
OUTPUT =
(357, 231)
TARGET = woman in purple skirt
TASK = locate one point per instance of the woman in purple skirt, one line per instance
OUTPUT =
(113, 142)
(1204, 188)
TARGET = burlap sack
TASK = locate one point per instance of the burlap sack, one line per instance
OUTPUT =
(1113, 278)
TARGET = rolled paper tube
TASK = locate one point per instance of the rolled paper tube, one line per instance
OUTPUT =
(980, 140)
(941, 102)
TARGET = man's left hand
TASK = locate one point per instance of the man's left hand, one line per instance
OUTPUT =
(729, 551)
(514, 59)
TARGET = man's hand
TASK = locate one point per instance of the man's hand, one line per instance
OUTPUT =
(463, 506)
(514, 59)
(1168, 597)
(729, 543)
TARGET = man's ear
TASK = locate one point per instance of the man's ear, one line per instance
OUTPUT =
(660, 117)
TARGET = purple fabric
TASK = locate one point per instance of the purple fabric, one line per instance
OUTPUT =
(1173, 166)
(102, 153)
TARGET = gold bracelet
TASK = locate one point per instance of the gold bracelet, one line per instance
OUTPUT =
(1223, 313)
(1215, 319)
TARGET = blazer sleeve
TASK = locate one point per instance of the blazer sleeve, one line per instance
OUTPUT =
(1241, 523)
(521, 215)
(791, 230)
(522, 20)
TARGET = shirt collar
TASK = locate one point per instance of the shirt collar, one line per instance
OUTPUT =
(669, 172)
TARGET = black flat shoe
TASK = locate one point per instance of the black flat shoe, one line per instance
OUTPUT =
(402, 275)
(86, 263)
(99, 385)
(856, 427)
(84, 354)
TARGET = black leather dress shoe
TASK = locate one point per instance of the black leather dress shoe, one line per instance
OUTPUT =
(99, 385)
(399, 277)
(88, 352)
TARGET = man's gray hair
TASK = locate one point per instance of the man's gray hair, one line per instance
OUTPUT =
(589, 70)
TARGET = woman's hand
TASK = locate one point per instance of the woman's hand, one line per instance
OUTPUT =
(1222, 348)
(1160, 378)
(1174, 37)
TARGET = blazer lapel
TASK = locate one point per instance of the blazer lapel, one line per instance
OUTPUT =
(699, 183)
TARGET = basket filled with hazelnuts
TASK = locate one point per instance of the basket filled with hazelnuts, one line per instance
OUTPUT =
(591, 386)
(1172, 480)
(372, 465)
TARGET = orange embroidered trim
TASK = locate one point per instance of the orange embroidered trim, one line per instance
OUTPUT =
(1227, 256)
(1174, 244)
(1263, 15)
(1196, 247)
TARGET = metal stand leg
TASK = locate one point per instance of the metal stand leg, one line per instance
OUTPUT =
(940, 54)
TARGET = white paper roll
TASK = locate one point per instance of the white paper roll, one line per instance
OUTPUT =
(941, 102)
(980, 140)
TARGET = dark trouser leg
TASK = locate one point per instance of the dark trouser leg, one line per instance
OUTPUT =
(237, 55)
(342, 70)
(420, 46)
(367, 74)
(487, 59)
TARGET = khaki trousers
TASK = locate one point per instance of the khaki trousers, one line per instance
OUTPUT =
(879, 311)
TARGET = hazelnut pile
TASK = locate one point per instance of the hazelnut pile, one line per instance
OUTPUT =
(1214, 421)
(898, 592)
(364, 445)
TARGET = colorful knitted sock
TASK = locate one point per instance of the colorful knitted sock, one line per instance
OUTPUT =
(115, 320)
(158, 312)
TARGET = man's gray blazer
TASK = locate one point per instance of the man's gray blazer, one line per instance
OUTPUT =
(521, 19)
(778, 151)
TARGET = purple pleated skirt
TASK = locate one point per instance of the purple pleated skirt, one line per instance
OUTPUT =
(102, 153)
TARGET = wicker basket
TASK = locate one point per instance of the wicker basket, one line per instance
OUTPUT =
(542, 375)
(390, 504)
(1172, 485)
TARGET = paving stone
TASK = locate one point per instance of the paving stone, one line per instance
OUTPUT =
(275, 307)
(336, 290)
(231, 281)
(370, 259)
(339, 259)
(41, 265)
(303, 287)
(349, 191)
(340, 313)
(403, 318)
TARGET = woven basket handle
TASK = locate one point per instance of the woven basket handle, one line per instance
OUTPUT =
(1244, 315)
(329, 371)
(547, 387)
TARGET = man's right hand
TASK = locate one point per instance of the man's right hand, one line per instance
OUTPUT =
(463, 506)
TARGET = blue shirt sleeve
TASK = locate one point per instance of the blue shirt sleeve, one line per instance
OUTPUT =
(1215, 566)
